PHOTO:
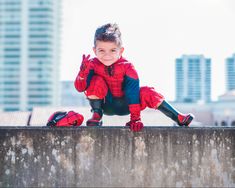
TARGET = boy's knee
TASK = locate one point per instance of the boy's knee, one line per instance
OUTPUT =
(97, 88)
(150, 98)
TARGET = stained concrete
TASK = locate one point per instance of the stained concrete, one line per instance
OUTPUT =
(117, 157)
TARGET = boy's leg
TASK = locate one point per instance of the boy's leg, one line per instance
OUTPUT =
(171, 112)
(152, 99)
(115, 106)
(95, 93)
(96, 108)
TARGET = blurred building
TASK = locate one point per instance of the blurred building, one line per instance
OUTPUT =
(230, 73)
(29, 54)
(218, 113)
(224, 113)
(193, 79)
(70, 96)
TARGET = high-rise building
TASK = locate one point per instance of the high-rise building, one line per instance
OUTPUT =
(230, 73)
(29, 54)
(193, 79)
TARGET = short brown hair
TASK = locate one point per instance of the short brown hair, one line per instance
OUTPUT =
(108, 33)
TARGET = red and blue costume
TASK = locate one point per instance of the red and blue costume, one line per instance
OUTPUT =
(118, 85)
(118, 92)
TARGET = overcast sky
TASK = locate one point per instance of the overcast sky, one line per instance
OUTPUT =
(154, 32)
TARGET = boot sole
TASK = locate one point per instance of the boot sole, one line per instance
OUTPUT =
(94, 124)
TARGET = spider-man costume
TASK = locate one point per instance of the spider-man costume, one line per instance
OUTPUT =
(117, 86)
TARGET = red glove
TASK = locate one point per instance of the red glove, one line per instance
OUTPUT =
(135, 126)
(85, 66)
(135, 123)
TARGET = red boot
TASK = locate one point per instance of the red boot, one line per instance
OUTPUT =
(96, 119)
(184, 119)
(179, 118)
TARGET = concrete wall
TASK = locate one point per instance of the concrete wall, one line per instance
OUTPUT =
(114, 156)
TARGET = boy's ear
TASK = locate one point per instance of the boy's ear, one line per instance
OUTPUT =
(94, 50)
(121, 50)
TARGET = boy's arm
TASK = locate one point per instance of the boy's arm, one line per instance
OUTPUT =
(85, 74)
(132, 94)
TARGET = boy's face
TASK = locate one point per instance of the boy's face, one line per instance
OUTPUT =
(107, 52)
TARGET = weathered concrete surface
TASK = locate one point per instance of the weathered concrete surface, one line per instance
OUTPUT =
(116, 157)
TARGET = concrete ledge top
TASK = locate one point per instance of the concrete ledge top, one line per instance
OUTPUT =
(118, 127)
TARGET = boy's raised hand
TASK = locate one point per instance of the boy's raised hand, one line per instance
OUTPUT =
(85, 66)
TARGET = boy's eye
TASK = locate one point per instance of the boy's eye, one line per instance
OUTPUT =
(114, 50)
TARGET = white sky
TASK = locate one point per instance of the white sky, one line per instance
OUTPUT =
(154, 32)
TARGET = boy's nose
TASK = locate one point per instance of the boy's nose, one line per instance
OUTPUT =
(107, 54)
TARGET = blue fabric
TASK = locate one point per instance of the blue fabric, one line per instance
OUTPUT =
(132, 90)
(88, 80)
(115, 105)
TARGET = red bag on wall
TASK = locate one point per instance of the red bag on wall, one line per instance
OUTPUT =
(68, 119)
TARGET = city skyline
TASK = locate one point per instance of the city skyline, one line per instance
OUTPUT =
(154, 34)
(29, 54)
(30, 43)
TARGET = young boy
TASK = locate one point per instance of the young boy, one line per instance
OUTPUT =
(111, 84)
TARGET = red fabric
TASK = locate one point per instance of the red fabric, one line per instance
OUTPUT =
(134, 112)
(81, 79)
(86, 66)
(80, 84)
(135, 126)
(97, 87)
(130, 71)
(185, 119)
(112, 78)
(113, 75)
(150, 98)
(70, 118)
(135, 123)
